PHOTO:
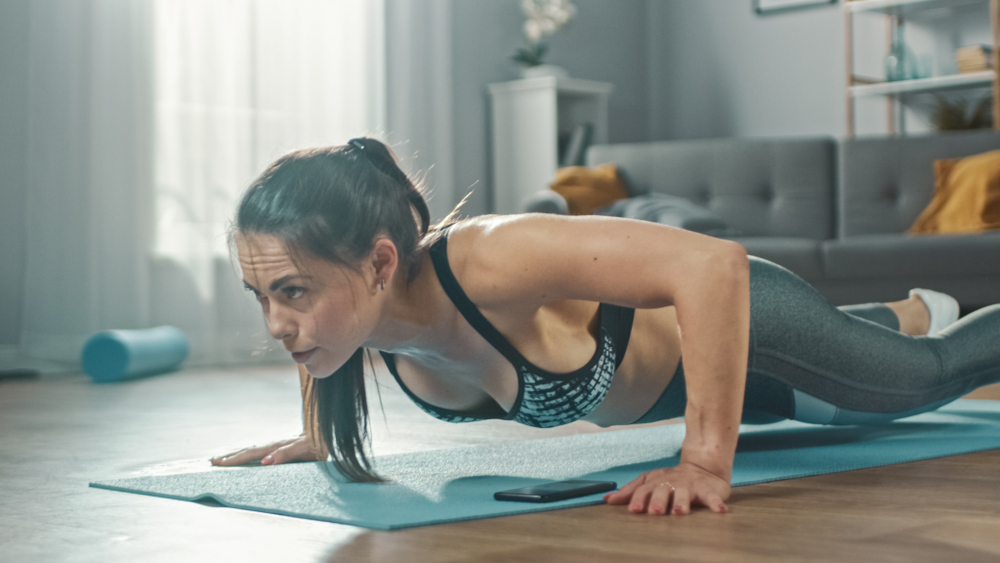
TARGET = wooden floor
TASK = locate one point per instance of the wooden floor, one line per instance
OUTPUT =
(59, 432)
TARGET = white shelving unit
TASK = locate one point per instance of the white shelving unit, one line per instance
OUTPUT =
(528, 117)
(896, 11)
(967, 80)
(903, 6)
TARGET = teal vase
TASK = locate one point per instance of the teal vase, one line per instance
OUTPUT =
(896, 61)
(901, 62)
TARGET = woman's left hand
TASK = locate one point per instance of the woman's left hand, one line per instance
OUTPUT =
(682, 486)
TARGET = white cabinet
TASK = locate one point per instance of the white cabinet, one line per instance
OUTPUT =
(529, 116)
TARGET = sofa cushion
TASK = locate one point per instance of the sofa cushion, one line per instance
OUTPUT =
(588, 188)
(966, 196)
(760, 187)
(800, 255)
(894, 255)
(885, 183)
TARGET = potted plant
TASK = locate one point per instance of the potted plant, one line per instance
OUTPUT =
(544, 18)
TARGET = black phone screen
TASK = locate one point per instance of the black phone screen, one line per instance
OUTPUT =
(556, 490)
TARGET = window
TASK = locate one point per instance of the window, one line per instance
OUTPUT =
(237, 84)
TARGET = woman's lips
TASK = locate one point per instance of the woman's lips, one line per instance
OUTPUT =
(302, 357)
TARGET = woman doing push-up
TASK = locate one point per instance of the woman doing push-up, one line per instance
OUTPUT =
(546, 320)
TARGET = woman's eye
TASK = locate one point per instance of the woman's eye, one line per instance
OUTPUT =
(256, 295)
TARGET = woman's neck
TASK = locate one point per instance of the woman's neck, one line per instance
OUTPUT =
(413, 320)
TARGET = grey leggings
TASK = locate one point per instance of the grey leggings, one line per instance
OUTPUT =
(813, 362)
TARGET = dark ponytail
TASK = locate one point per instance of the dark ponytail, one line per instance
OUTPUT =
(340, 402)
(382, 159)
(331, 203)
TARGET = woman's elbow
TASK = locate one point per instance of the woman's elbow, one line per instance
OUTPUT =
(737, 256)
(730, 263)
(723, 257)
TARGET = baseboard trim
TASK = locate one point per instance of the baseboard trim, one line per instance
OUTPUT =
(12, 359)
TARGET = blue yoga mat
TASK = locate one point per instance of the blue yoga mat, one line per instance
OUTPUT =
(458, 484)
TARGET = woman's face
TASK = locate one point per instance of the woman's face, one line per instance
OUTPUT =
(321, 312)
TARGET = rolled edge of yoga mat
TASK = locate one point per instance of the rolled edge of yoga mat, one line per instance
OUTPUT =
(114, 355)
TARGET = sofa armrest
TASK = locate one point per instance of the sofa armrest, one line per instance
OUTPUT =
(545, 201)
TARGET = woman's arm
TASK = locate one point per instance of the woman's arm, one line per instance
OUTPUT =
(538, 259)
(714, 320)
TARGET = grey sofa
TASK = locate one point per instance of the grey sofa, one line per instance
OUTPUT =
(834, 213)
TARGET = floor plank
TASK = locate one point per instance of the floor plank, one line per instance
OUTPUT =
(59, 432)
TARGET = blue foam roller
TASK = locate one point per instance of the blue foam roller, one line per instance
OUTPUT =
(114, 355)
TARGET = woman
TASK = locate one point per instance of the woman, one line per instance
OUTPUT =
(493, 317)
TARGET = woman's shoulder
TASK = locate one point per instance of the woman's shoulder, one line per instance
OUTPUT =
(538, 258)
(474, 233)
(494, 229)
(485, 253)
(465, 237)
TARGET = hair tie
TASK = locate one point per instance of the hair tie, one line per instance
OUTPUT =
(378, 161)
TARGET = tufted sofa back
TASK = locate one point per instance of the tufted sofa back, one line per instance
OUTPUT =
(761, 187)
(886, 182)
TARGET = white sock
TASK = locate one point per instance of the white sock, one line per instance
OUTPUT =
(943, 308)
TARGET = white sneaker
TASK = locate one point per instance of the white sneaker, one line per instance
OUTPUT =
(943, 308)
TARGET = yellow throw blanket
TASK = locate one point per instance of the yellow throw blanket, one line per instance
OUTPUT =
(966, 196)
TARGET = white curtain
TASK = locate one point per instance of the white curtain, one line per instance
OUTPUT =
(89, 175)
(420, 108)
(238, 84)
(146, 122)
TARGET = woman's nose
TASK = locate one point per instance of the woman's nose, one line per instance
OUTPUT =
(279, 323)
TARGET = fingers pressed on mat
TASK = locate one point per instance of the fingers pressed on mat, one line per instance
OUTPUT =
(659, 503)
(682, 501)
(624, 494)
(716, 503)
(640, 499)
(239, 457)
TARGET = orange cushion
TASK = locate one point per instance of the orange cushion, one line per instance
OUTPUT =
(586, 189)
(966, 196)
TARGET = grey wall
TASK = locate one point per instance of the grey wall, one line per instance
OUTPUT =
(606, 42)
(13, 156)
(717, 69)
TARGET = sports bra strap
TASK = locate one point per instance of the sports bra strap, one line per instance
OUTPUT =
(439, 256)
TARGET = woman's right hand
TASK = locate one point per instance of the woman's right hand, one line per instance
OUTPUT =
(283, 451)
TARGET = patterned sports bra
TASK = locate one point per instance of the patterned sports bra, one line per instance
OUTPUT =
(544, 399)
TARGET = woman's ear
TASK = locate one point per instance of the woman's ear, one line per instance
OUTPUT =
(384, 260)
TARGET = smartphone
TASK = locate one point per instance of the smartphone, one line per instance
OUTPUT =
(557, 490)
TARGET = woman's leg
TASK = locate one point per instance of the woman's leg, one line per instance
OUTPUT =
(910, 316)
(879, 313)
(767, 400)
(814, 362)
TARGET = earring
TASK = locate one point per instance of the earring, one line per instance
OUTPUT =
(383, 283)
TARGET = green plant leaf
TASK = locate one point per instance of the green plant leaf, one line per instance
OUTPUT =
(531, 55)
(954, 116)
